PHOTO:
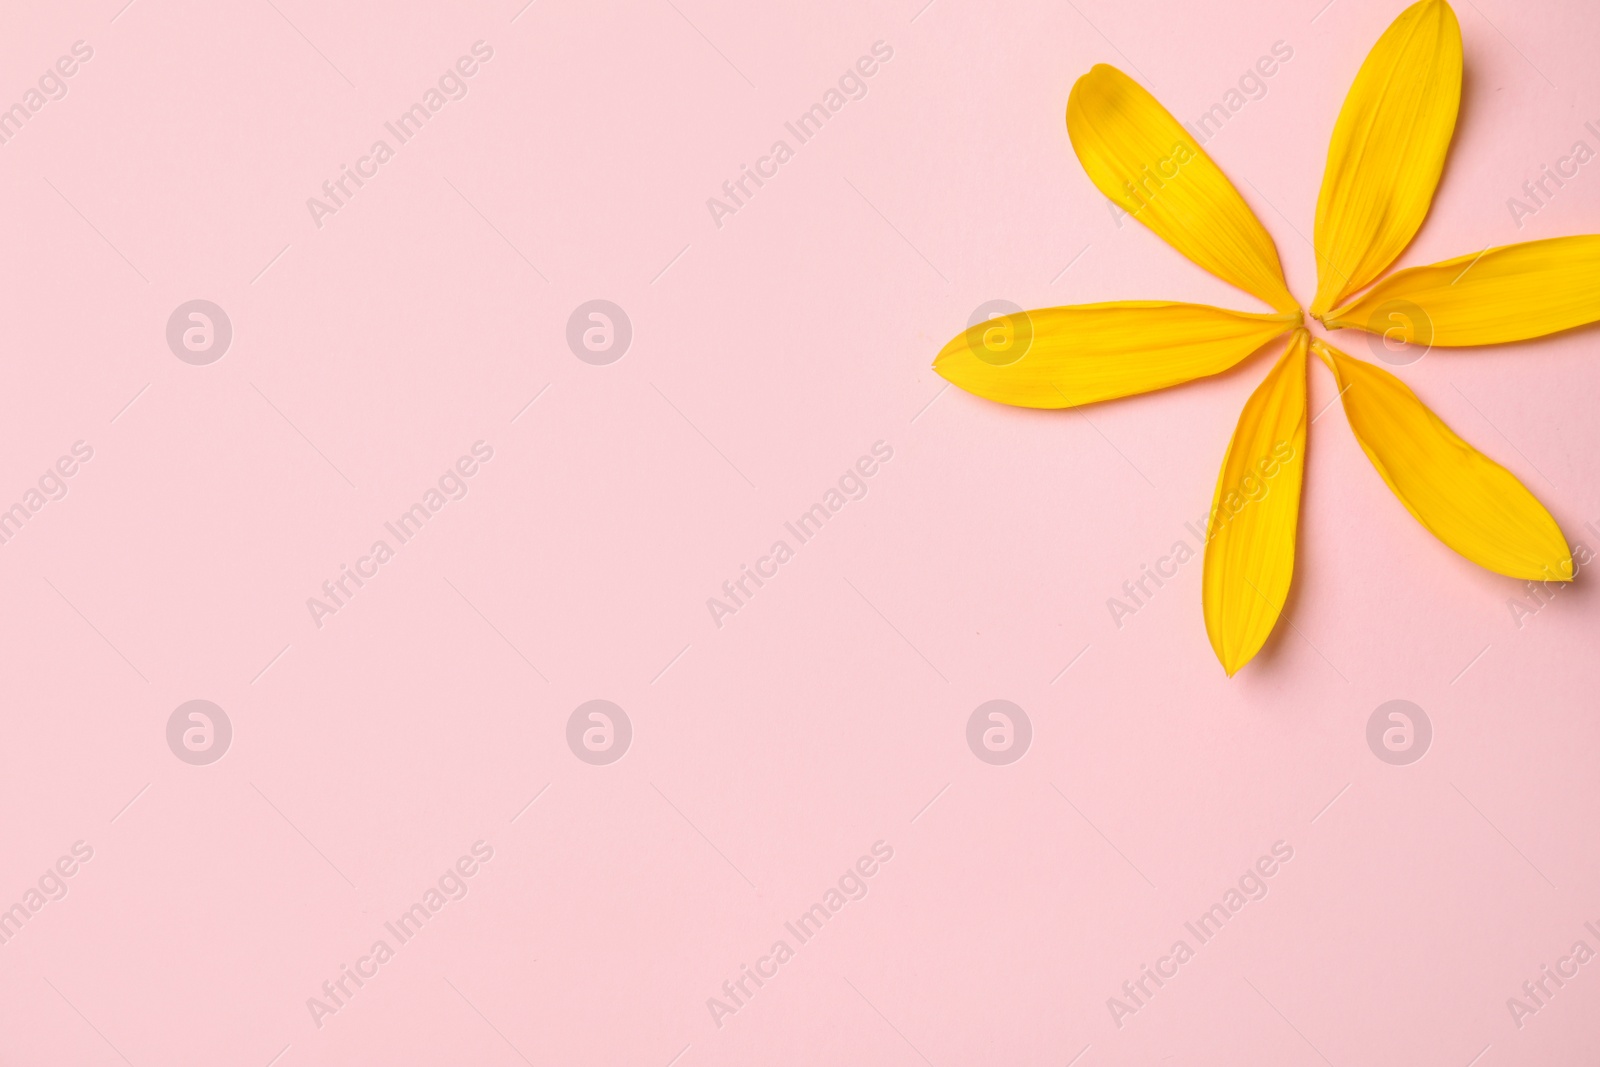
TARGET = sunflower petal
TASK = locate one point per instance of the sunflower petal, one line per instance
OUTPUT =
(1463, 497)
(1254, 513)
(1065, 356)
(1388, 150)
(1509, 293)
(1137, 154)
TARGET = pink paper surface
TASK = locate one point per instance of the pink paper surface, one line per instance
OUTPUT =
(814, 752)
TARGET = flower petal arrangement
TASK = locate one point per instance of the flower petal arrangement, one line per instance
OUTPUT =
(1384, 162)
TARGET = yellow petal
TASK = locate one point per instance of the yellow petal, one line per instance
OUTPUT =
(1137, 154)
(1388, 149)
(1463, 497)
(1254, 513)
(1509, 293)
(1065, 356)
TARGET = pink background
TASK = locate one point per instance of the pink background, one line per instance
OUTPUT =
(829, 713)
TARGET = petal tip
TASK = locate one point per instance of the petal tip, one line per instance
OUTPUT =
(1098, 78)
(942, 362)
(1234, 660)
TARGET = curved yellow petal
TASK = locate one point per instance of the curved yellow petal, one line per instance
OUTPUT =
(1387, 151)
(1065, 356)
(1137, 154)
(1254, 513)
(1509, 293)
(1463, 497)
